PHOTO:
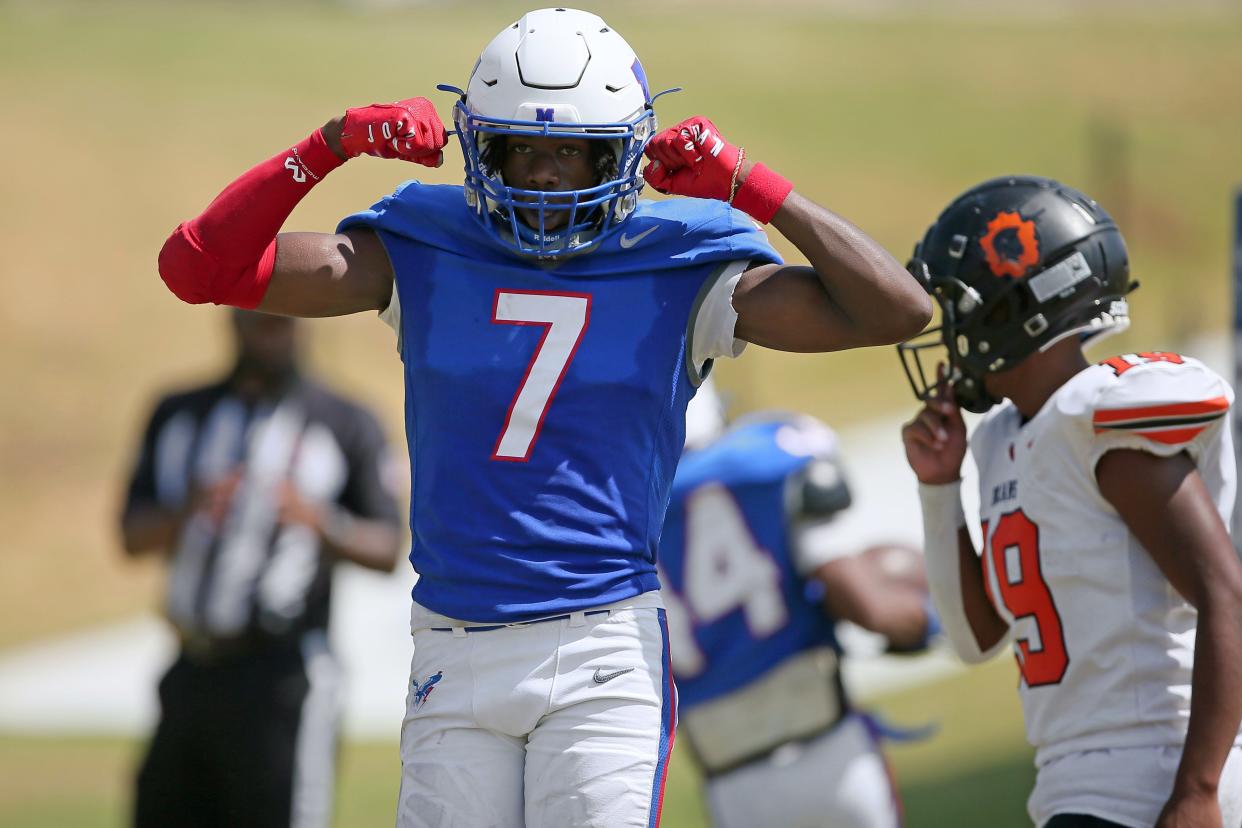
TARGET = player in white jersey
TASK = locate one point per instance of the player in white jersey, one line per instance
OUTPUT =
(1105, 493)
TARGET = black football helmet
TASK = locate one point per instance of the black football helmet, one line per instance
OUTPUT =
(1016, 265)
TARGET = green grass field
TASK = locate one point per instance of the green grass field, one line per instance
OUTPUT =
(121, 119)
(975, 772)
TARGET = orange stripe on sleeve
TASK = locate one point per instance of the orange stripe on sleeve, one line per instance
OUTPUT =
(1170, 437)
(1217, 405)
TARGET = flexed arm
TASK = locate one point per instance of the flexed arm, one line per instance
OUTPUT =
(854, 293)
(231, 255)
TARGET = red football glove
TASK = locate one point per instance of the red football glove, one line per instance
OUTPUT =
(692, 159)
(410, 130)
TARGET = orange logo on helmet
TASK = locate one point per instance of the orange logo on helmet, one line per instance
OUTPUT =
(1011, 254)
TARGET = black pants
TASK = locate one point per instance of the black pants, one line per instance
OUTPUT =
(226, 751)
(1079, 821)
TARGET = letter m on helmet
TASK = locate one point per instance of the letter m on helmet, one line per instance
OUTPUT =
(542, 114)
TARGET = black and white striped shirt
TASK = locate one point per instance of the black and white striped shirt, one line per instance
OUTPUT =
(249, 575)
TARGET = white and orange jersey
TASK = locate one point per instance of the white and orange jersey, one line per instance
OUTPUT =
(1104, 644)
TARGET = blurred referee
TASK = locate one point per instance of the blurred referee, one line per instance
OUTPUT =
(254, 487)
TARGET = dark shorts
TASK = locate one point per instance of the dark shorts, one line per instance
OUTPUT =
(239, 739)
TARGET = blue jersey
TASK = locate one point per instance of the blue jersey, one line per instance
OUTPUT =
(545, 400)
(727, 557)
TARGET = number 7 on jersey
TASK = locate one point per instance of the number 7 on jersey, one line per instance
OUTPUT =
(564, 318)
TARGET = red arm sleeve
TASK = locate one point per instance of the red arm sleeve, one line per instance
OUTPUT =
(226, 254)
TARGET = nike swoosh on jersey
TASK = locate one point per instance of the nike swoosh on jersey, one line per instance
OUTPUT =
(600, 678)
(629, 241)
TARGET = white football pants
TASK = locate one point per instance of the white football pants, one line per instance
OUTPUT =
(557, 723)
(1128, 786)
(838, 780)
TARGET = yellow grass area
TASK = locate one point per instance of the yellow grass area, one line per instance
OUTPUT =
(123, 119)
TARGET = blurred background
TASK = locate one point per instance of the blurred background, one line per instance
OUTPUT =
(122, 119)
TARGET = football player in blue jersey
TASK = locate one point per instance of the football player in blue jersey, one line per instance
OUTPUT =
(755, 578)
(553, 328)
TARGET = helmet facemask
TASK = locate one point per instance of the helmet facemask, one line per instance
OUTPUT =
(1015, 265)
(555, 73)
(985, 334)
(957, 302)
(616, 152)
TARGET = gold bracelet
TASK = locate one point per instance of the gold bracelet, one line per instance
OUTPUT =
(737, 168)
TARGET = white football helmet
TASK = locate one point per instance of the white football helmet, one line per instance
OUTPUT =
(556, 72)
